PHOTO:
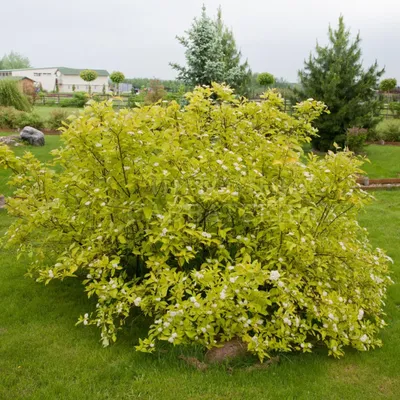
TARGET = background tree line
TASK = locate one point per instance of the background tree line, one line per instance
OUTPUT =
(334, 74)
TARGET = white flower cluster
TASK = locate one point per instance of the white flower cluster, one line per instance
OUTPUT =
(195, 302)
(274, 275)
(172, 338)
(222, 295)
(198, 275)
(376, 279)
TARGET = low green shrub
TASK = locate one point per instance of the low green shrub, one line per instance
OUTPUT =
(388, 130)
(135, 100)
(97, 97)
(9, 117)
(355, 139)
(394, 107)
(56, 118)
(179, 97)
(66, 103)
(30, 119)
(79, 99)
(206, 219)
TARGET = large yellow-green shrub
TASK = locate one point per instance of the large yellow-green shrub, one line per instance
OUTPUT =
(208, 219)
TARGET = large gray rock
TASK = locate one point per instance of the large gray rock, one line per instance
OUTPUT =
(33, 136)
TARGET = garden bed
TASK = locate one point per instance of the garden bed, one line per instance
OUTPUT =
(383, 143)
(45, 131)
(372, 184)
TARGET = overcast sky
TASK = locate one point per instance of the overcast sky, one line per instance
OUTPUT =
(137, 37)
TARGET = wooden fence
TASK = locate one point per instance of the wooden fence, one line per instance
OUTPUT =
(122, 101)
(57, 98)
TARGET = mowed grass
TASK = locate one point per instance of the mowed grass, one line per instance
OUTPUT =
(43, 355)
(44, 111)
(385, 161)
(42, 153)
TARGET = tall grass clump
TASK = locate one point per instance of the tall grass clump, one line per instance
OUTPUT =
(12, 96)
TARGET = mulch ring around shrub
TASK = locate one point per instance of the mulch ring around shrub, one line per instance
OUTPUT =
(2, 201)
(233, 349)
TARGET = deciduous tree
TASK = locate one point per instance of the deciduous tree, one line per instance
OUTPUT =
(265, 79)
(88, 75)
(117, 78)
(388, 84)
(155, 92)
(14, 60)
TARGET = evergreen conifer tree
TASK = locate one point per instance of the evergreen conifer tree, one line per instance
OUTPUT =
(335, 75)
(236, 74)
(212, 55)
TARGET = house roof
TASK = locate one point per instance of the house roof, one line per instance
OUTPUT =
(74, 71)
(26, 69)
(16, 78)
(64, 70)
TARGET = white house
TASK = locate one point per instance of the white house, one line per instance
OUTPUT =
(67, 79)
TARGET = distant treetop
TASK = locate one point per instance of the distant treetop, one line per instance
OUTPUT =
(388, 84)
(265, 79)
(14, 60)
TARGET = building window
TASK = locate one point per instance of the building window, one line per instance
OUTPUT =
(37, 74)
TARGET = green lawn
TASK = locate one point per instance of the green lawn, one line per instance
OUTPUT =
(43, 355)
(42, 153)
(385, 161)
(45, 111)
